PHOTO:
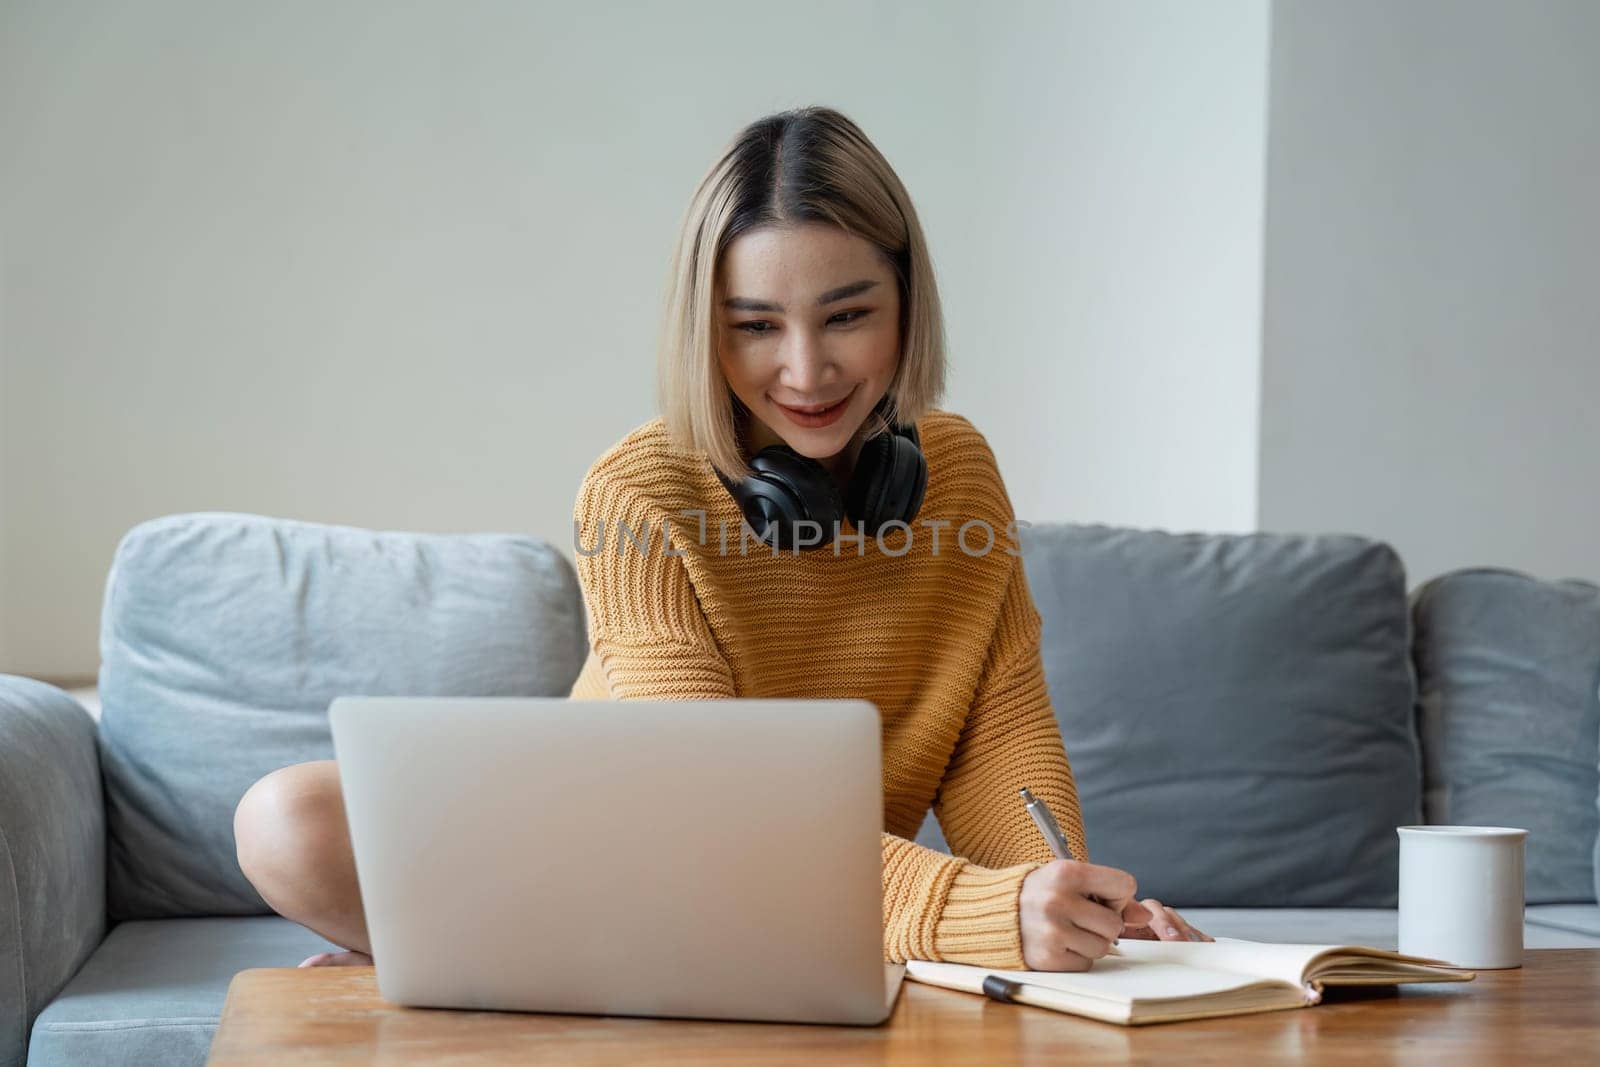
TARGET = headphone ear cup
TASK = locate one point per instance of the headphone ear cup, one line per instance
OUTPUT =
(907, 482)
(890, 480)
(785, 488)
(863, 499)
(916, 479)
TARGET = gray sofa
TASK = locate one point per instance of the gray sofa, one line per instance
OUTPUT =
(1249, 718)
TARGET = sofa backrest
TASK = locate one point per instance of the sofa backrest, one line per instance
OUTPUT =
(225, 636)
(1245, 729)
(1238, 709)
(1508, 672)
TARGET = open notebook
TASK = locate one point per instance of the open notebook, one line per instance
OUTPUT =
(1164, 981)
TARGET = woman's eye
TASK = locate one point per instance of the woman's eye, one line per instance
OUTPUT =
(844, 318)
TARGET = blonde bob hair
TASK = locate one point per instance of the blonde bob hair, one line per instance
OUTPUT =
(800, 166)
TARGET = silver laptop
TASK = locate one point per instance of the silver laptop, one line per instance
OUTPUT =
(715, 859)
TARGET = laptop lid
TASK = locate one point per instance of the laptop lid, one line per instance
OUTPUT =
(710, 859)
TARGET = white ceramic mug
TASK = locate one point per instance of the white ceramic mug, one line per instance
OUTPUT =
(1461, 894)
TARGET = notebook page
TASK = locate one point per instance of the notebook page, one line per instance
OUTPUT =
(1117, 979)
(1261, 959)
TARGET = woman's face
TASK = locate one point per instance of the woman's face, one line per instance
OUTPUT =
(808, 334)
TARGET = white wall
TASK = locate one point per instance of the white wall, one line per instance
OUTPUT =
(399, 266)
(1431, 363)
(1117, 261)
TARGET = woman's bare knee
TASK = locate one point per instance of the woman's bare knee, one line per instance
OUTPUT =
(294, 846)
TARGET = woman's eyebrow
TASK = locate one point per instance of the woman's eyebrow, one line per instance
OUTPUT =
(745, 303)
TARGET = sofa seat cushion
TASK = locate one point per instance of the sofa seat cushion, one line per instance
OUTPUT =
(1577, 918)
(1238, 709)
(153, 991)
(1508, 668)
(224, 637)
(1373, 927)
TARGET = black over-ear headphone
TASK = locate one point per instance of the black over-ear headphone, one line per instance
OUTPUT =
(887, 484)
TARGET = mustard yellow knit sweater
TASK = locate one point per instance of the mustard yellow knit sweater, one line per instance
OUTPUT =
(944, 640)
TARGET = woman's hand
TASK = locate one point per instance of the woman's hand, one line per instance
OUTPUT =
(1071, 912)
(1163, 924)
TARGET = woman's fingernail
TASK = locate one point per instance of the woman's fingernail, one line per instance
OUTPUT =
(1172, 931)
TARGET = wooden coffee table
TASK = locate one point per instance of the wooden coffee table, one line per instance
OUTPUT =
(1548, 1011)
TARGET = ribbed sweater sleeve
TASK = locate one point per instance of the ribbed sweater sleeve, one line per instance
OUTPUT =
(647, 628)
(1010, 740)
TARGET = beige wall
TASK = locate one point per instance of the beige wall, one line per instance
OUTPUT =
(398, 266)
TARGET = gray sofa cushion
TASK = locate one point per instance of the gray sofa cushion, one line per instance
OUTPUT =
(153, 992)
(1375, 927)
(1508, 669)
(1237, 709)
(225, 636)
(1577, 918)
(52, 852)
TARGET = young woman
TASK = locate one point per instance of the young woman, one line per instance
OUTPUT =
(801, 360)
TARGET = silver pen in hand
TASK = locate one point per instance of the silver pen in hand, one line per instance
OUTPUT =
(1046, 822)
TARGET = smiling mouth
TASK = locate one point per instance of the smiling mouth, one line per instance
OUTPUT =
(816, 409)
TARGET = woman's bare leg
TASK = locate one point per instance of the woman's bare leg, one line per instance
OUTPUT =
(294, 846)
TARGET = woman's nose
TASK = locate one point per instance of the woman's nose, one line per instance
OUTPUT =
(805, 362)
